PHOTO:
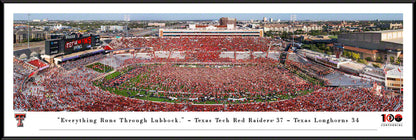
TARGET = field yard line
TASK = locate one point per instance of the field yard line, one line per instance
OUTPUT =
(101, 76)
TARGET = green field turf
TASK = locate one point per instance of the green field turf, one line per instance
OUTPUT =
(99, 67)
(158, 97)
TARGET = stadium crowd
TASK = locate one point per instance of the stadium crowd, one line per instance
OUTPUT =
(196, 43)
(21, 70)
(38, 63)
(71, 64)
(57, 89)
(247, 81)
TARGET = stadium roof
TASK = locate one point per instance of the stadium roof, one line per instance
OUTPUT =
(77, 54)
(391, 66)
(397, 40)
(367, 51)
(353, 65)
(384, 31)
(395, 73)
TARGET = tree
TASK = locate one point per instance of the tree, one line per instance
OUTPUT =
(378, 59)
(399, 60)
(299, 32)
(327, 48)
(392, 59)
(348, 54)
(306, 46)
(329, 52)
(355, 56)
(376, 65)
(284, 35)
(344, 53)
(268, 33)
(314, 48)
(321, 46)
(368, 58)
(362, 61)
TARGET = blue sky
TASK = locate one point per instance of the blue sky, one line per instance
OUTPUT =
(209, 16)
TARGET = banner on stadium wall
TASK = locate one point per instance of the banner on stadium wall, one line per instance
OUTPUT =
(30, 75)
(33, 73)
(107, 48)
(47, 66)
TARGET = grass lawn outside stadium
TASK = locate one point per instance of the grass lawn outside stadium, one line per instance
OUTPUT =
(157, 89)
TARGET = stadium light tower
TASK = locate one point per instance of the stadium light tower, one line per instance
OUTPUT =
(28, 30)
(127, 19)
(293, 18)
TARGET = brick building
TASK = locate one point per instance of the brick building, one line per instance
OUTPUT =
(224, 21)
(373, 44)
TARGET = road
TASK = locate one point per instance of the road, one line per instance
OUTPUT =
(19, 46)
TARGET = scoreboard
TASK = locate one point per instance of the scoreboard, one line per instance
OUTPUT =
(71, 44)
(95, 40)
(52, 46)
(77, 44)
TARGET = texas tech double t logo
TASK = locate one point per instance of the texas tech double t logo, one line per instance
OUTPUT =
(20, 118)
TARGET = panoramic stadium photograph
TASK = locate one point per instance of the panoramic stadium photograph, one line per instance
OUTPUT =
(145, 62)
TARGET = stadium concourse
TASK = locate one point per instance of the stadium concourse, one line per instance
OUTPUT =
(202, 80)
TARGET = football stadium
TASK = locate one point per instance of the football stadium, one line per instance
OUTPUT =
(189, 73)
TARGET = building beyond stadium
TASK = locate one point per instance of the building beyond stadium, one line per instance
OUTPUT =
(185, 32)
(208, 32)
(373, 44)
(227, 27)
